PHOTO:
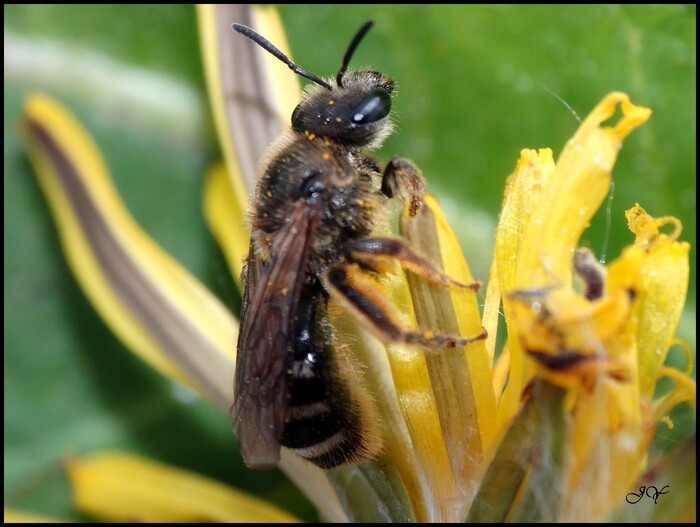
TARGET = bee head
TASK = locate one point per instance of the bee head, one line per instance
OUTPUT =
(354, 114)
(352, 110)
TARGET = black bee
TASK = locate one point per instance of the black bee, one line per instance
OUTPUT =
(315, 207)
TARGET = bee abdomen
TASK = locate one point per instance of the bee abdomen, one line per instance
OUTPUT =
(328, 429)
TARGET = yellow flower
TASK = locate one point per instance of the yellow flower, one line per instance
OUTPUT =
(554, 426)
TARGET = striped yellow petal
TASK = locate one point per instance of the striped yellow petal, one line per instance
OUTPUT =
(115, 486)
(460, 382)
(237, 73)
(151, 303)
(252, 95)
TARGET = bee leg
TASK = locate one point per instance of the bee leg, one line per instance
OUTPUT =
(376, 253)
(366, 298)
(404, 180)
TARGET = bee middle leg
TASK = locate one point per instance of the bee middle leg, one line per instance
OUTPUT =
(364, 296)
(375, 254)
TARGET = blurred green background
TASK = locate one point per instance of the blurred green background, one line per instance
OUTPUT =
(476, 85)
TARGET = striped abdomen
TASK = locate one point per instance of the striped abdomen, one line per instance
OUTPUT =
(330, 418)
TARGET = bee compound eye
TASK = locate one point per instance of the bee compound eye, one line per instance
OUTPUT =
(373, 108)
(297, 117)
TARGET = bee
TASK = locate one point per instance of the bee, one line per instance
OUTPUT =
(316, 205)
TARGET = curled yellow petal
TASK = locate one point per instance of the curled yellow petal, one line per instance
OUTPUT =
(684, 390)
(121, 487)
(576, 189)
(151, 303)
(664, 286)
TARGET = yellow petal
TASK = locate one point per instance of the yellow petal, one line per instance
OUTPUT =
(573, 192)
(576, 189)
(150, 302)
(664, 285)
(491, 316)
(371, 354)
(446, 396)
(120, 487)
(252, 93)
(523, 192)
(684, 390)
(419, 410)
(252, 96)
(609, 450)
(15, 516)
(225, 218)
(458, 314)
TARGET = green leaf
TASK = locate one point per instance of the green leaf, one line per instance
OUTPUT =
(378, 483)
(666, 493)
(524, 481)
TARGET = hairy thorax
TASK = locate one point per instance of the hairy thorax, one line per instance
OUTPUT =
(333, 184)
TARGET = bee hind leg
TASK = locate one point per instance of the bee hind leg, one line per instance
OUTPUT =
(366, 298)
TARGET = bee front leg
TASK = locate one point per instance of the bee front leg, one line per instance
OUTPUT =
(366, 298)
(404, 180)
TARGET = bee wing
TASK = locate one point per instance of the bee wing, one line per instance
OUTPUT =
(270, 301)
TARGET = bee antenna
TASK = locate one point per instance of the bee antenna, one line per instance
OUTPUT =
(351, 49)
(270, 47)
